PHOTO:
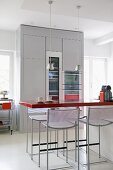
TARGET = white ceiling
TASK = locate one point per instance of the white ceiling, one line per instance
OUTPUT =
(96, 16)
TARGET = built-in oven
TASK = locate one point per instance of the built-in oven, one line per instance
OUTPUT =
(71, 85)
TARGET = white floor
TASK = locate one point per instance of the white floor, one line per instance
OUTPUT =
(13, 155)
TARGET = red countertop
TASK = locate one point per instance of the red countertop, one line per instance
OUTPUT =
(34, 104)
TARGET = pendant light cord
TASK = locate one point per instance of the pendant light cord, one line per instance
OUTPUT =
(50, 30)
(50, 33)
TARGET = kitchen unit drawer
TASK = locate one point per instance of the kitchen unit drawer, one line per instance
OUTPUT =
(71, 97)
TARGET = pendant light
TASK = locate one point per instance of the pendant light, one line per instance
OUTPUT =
(51, 65)
(78, 17)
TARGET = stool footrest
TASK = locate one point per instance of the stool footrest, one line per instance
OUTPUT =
(91, 144)
(70, 141)
(50, 149)
(37, 144)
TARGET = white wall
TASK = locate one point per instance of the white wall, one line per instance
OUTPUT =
(7, 40)
(110, 67)
(91, 49)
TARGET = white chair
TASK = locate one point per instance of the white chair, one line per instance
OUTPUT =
(98, 117)
(62, 119)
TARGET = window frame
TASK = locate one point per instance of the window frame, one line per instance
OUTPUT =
(11, 71)
(91, 58)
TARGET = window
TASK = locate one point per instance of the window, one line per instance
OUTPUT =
(94, 76)
(6, 73)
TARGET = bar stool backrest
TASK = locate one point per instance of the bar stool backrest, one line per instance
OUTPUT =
(37, 111)
(100, 113)
(63, 115)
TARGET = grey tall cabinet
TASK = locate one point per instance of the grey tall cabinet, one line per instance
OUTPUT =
(33, 43)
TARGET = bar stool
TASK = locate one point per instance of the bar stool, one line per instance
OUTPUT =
(62, 119)
(39, 119)
(34, 112)
(98, 117)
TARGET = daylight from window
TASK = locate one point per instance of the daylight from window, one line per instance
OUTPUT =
(94, 76)
(4, 72)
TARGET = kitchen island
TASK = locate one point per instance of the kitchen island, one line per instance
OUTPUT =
(106, 133)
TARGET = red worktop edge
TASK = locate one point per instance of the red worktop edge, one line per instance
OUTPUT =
(32, 104)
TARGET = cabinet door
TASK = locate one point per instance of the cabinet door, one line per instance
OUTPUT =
(71, 54)
(33, 79)
(34, 47)
(53, 75)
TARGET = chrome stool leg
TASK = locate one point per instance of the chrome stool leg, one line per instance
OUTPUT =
(50, 138)
(32, 139)
(63, 141)
(66, 145)
(55, 138)
(57, 142)
(27, 132)
(47, 150)
(75, 143)
(39, 146)
(86, 138)
(99, 142)
(78, 141)
(88, 161)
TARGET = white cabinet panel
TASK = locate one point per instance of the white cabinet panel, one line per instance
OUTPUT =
(71, 54)
(56, 44)
(34, 78)
(34, 47)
